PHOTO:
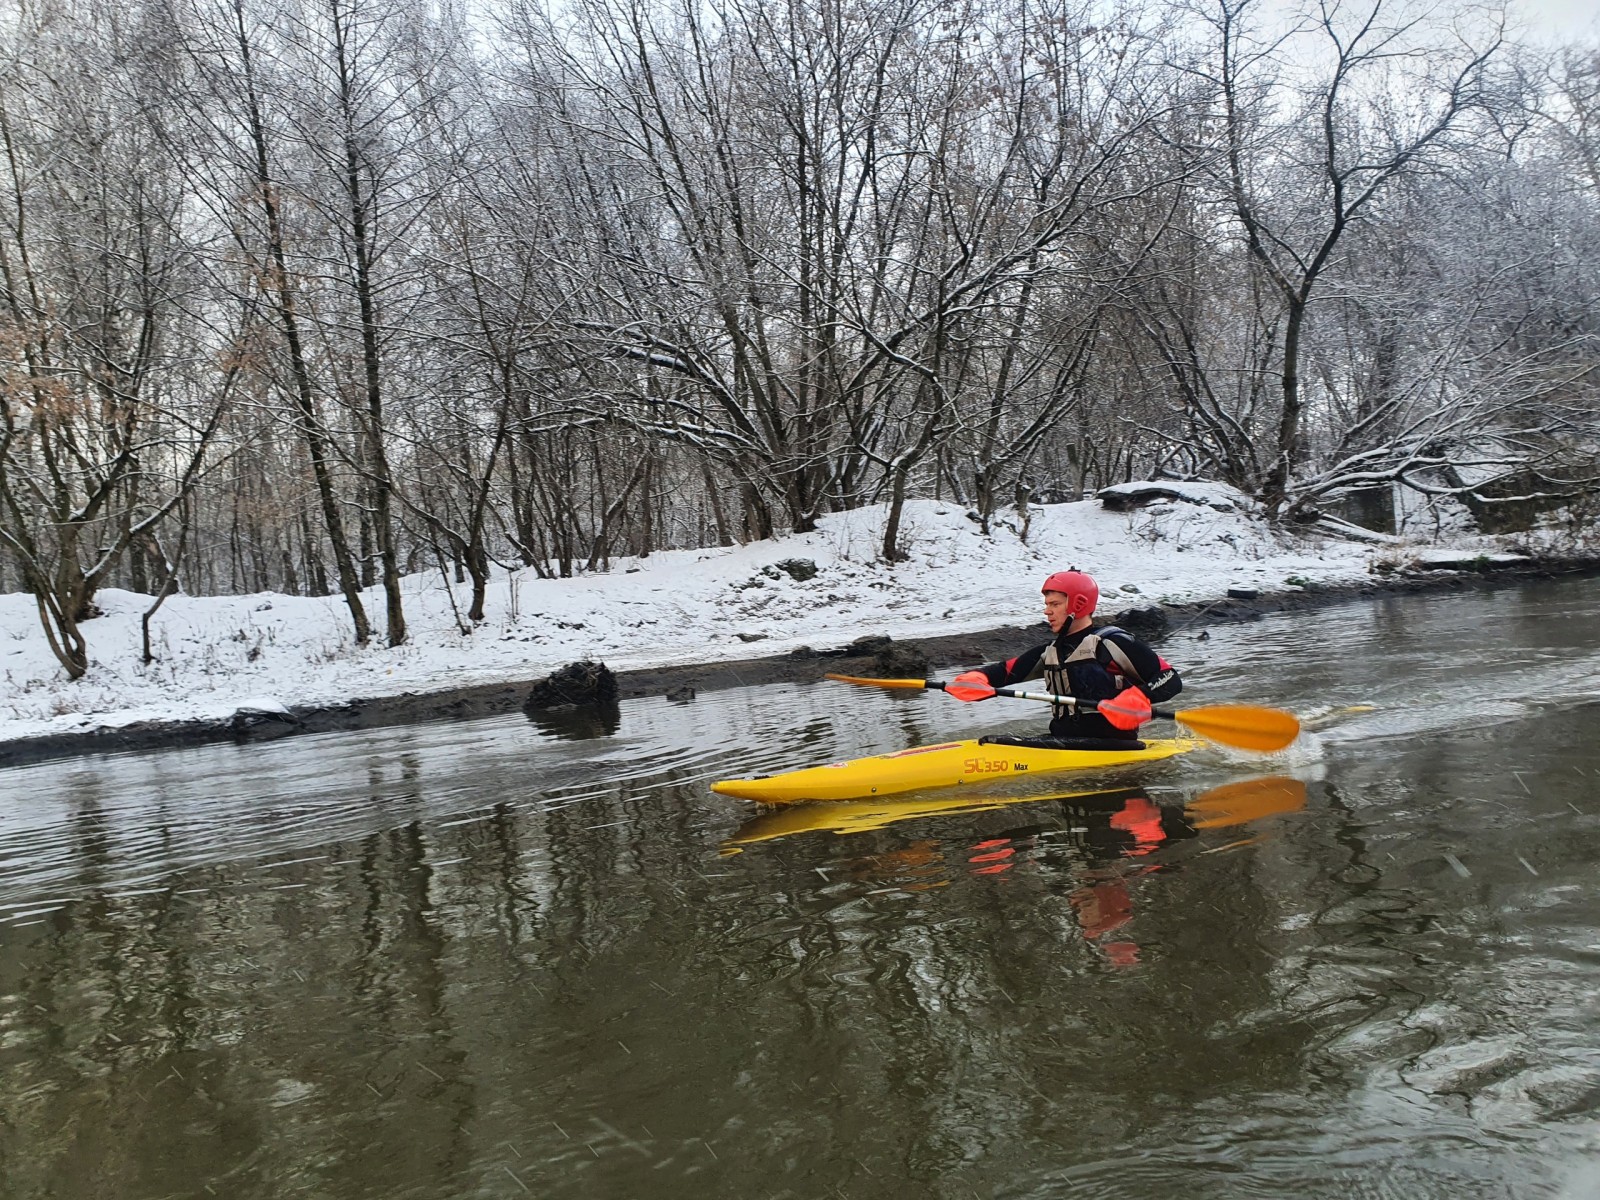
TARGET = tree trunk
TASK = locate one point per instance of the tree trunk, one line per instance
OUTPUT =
(308, 422)
(1275, 492)
(892, 552)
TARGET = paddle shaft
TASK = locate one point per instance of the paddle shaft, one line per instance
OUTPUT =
(1072, 701)
(1044, 697)
(1077, 702)
(1242, 726)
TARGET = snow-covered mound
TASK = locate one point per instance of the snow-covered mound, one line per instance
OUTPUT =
(218, 655)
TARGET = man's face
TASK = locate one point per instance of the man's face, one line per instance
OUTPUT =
(1057, 611)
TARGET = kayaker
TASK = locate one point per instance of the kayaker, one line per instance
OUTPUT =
(1089, 661)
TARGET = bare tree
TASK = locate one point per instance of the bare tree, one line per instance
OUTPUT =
(104, 423)
(229, 141)
(1306, 158)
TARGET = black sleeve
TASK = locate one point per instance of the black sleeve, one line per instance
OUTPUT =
(1027, 665)
(1161, 681)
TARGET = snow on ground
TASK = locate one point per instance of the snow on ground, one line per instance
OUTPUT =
(216, 655)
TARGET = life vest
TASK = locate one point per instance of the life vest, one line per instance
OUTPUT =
(1097, 647)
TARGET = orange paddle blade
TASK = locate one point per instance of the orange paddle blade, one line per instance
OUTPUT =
(1243, 726)
(918, 684)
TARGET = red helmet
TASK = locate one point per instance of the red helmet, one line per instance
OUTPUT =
(1082, 593)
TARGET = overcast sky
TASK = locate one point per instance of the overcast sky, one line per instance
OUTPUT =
(1560, 18)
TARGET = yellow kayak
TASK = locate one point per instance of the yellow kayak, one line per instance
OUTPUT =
(949, 764)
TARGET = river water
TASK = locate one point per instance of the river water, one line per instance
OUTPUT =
(491, 959)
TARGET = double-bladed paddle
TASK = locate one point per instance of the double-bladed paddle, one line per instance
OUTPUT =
(1242, 726)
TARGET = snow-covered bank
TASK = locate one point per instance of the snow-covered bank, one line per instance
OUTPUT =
(216, 655)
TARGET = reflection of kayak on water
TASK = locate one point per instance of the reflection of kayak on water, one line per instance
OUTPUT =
(1220, 807)
(1102, 843)
(948, 765)
(1105, 840)
(861, 816)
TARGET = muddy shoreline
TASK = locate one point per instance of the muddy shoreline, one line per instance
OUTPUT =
(1151, 622)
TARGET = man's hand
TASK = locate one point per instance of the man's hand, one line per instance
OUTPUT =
(969, 686)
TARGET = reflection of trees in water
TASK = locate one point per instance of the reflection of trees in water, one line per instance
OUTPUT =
(416, 1002)
(91, 843)
(1360, 979)
(955, 1020)
(1001, 1023)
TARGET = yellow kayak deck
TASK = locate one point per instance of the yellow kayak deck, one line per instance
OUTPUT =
(949, 764)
